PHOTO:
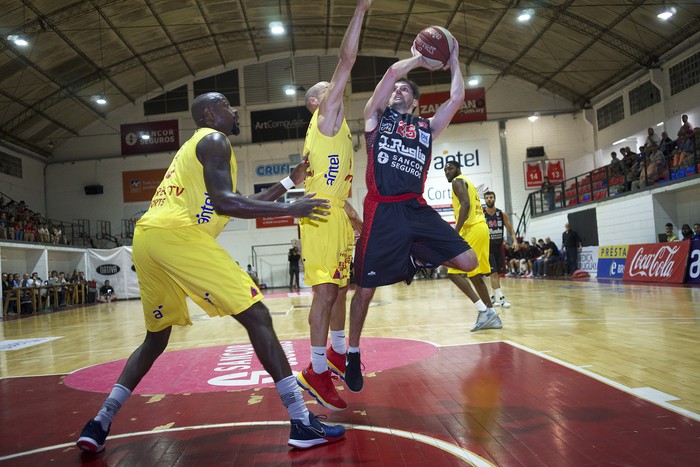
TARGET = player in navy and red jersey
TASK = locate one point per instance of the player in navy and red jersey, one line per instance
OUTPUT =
(398, 224)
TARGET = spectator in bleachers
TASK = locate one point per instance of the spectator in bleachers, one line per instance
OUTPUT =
(686, 128)
(43, 233)
(29, 231)
(670, 234)
(686, 232)
(19, 229)
(686, 150)
(649, 169)
(667, 145)
(652, 138)
(615, 166)
(696, 231)
(4, 223)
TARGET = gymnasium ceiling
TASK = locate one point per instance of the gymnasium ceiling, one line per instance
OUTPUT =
(127, 48)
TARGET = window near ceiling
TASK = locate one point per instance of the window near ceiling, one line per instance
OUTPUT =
(10, 165)
(176, 100)
(226, 83)
(685, 74)
(610, 113)
(643, 96)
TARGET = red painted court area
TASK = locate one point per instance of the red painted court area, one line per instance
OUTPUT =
(484, 403)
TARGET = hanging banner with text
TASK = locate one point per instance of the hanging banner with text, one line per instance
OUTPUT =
(267, 222)
(472, 110)
(141, 185)
(149, 137)
(279, 124)
(474, 158)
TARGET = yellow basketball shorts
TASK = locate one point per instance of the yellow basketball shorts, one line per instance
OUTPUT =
(327, 247)
(172, 264)
(479, 239)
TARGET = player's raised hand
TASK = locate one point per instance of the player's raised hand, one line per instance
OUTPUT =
(364, 4)
(308, 206)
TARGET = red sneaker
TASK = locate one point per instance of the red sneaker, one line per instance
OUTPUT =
(336, 362)
(321, 387)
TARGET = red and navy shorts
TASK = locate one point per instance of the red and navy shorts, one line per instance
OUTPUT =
(392, 232)
(496, 258)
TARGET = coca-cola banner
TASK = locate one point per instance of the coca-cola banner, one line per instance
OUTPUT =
(694, 262)
(657, 262)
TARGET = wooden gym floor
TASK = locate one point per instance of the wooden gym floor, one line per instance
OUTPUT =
(582, 373)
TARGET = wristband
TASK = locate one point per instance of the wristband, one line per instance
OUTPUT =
(288, 183)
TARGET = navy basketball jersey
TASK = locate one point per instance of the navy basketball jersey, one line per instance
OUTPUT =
(398, 152)
(495, 223)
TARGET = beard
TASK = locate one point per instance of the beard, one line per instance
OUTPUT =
(235, 129)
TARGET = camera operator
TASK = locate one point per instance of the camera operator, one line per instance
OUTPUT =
(107, 293)
(293, 257)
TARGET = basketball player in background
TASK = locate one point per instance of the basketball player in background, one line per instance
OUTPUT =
(398, 222)
(176, 254)
(327, 246)
(471, 225)
(496, 220)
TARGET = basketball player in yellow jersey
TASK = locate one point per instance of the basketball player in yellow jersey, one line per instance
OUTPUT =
(327, 246)
(176, 255)
(471, 225)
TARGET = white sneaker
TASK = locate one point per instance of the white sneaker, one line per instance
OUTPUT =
(504, 303)
(493, 301)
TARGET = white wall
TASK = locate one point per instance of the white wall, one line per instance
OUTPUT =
(29, 188)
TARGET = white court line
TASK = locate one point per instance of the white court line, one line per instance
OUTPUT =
(450, 448)
(635, 392)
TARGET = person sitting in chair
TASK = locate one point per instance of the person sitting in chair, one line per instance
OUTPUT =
(107, 293)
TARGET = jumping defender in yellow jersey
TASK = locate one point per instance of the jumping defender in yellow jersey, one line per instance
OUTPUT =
(176, 254)
(327, 246)
(471, 225)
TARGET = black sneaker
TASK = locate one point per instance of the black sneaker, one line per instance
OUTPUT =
(353, 372)
(92, 438)
(303, 437)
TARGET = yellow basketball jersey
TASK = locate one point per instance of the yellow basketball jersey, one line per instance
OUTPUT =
(181, 199)
(476, 211)
(330, 161)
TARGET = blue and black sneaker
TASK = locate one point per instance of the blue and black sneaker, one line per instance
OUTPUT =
(307, 436)
(92, 438)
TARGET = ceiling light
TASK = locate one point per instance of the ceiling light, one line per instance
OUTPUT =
(276, 28)
(666, 13)
(660, 124)
(145, 136)
(525, 15)
(620, 141)
(473, 81)
(18, 40)
(290, 90)
(534, 116)
(102, 100)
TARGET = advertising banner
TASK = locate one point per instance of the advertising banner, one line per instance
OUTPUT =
(141, 185)
(116, 266)
(657, 262)
(474, 158)
(267, 222)
(588, 260)
(611, 261)
(472, 110)
(279, 124)
(149, 137)
(694, 263)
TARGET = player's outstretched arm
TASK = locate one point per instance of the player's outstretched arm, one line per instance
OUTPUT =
(214, 152)
(331, 104)
(446, 111)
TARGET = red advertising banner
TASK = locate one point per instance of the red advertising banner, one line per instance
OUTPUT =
(148, 137)
(472, 110)
(141, 185)
(657, 262)
(533, 175)
(554, 169)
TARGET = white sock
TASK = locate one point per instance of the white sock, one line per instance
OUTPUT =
(353, 349)
(480, 306)
(112, 404)
(318, 359)
(338, 341)
(292, 399)
(499, 293)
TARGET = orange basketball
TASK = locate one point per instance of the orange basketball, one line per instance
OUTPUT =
(435, 44)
